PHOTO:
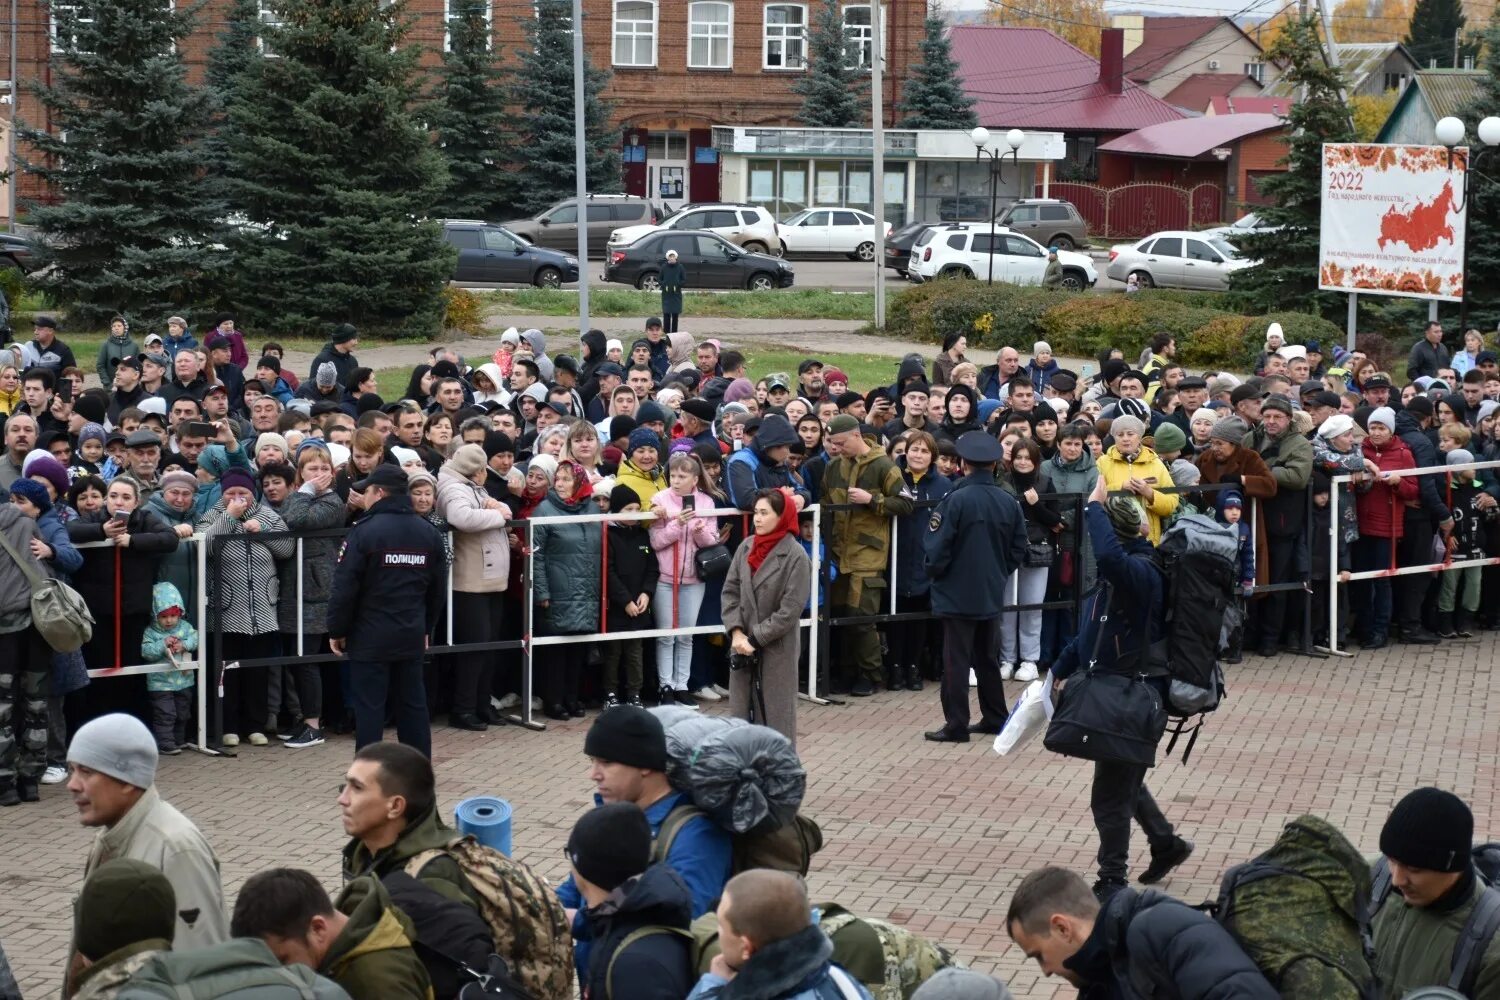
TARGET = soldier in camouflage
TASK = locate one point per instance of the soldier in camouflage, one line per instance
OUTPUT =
(859, 543)
(25, 660)
(888, 959)
(125, 913)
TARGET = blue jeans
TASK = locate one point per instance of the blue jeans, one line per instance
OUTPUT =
(371, 682)
(674, 654)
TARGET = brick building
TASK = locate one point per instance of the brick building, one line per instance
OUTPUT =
(679, 67)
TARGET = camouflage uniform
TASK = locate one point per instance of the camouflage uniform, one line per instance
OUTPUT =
(103, 980)
(25, 661)
(903, 962)
(859, 543)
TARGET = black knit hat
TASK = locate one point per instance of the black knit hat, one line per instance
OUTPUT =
(628, 735)
(612, 843)
(1430, 829)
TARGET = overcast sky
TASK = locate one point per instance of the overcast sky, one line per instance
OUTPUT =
(1157, 6)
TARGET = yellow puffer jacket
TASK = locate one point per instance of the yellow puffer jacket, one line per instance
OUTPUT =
(1115, 469)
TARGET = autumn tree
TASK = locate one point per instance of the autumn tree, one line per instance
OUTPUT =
(1077, 22)
(1370, 112)
(1370, 20)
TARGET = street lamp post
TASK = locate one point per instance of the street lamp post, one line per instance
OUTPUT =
(1449, 132)
(981, 137)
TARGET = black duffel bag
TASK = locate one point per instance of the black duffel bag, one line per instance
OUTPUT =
(1108, 717)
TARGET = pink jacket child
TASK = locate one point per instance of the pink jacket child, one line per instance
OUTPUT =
(676, 543)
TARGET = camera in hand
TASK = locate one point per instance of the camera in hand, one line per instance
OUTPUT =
(744, 661)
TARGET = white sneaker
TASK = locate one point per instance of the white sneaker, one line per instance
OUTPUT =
(536, 704)
(509, 701)
(1027, 673)
(973, 678)
(721, 691)
(1007, 670)
(54, 775)
(258, 739)
(706, 694)
(232, 739)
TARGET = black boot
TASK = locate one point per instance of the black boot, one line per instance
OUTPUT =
(1234, 654)
(913, 679)
(1463, 623)
(894, 680)
(1445, 625)
(28, 791)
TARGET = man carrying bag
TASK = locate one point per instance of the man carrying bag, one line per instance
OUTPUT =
(1113, 710)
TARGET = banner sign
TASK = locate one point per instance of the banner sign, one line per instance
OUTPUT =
(1392, 224)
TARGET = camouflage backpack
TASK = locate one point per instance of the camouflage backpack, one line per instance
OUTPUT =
(531, 927)
(1301, 912)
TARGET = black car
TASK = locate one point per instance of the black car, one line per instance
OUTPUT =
(898, 245)
(491, 253)
(711, 262)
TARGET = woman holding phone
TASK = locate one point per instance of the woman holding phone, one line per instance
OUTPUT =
(677, 534)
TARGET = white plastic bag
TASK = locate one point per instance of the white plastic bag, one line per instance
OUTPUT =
(1027, 720)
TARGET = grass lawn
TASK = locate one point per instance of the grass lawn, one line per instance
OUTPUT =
(864, 370)
(797, 303)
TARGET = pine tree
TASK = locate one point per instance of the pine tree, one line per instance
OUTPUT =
(834, 93)
(1286, 276)
(1482, 232)
(543, 90)
(334, 175)
(468, 115)
(933, 96)
(128, 231)
(235, 49)
(1434, 26)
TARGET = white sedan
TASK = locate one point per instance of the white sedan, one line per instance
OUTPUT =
(846, 231)
(1177, 259)
(1245, 225)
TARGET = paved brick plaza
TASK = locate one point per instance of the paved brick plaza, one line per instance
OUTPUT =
(932, 836)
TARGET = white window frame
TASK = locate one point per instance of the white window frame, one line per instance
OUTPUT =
(860, 38)
(77, 7)
(783, 36)
(265, 15)
(707, 32)
(634, 36)
(489, 20)
(1256, 71)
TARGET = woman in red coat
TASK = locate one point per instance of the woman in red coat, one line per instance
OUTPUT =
(1382, 507)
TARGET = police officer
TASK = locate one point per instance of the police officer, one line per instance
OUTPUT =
(976, 538)
(387, 592)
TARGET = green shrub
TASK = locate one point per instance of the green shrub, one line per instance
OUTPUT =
(1223, 341)
(462, 311)
(989, 315)
(1088, 324)
(1201, 300)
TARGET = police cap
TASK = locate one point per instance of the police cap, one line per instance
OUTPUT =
(978, 448)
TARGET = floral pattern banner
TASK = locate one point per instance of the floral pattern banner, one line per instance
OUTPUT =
(1393, 220)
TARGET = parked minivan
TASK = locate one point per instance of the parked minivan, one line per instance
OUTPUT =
(557, 227)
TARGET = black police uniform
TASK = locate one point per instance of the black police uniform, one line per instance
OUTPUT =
(387, 591)
(976, 538)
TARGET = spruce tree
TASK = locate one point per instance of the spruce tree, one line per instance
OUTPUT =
(468, 116)
(1286, 276)
(834, 93)
(934, 97)
(335, 176)
(1434, 26)
(234, 49)
(128, 230)
(543, 138)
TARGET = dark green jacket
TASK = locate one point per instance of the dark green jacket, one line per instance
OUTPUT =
(373, 956)
(1414, 947)
(425, 833)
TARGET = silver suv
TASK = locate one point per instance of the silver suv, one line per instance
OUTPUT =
(1050, 221)
(557, 227)
(748, 226)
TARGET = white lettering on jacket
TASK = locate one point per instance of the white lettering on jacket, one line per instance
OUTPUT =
(405, 559)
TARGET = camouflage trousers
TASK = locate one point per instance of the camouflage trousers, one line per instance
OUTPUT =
(25, 665)
(857, 647)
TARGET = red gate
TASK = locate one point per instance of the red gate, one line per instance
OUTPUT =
(1139, 209)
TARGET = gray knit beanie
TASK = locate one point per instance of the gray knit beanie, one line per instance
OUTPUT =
(118, 745)
(961, 984)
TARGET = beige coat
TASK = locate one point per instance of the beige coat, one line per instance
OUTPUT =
(481, 548)
(767, 606)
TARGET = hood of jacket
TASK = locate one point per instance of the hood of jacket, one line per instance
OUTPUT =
(166, 595)
(656, 896)
(679, 347)
(595, 346)
(1407, 424)
(536, 391)
(537, 341)
(426, 832)
(1143, 455)
(375, 924)
(158, 505)
(1082, 465)
(783, 968)
(492, 372)
(911, 366)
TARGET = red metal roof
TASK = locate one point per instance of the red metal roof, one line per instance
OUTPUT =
(1196, 91)
(1257, 105)
(1162, 38)
(1191, 138)
(1030, 78)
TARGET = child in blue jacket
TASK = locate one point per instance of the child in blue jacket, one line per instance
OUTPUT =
(1231, 511)
(168, 639)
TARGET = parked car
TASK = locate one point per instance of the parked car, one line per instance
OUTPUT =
(16, 252)
(711, 262)
(1050, 221)
(1243, 226)
(963, 208)
(846, 231)
(966, 249)
(557, 227)
(491, 253)
(898, 245)
(747, 226)
(1177, 259)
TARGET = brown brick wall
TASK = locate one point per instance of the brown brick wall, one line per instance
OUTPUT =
(670, 96)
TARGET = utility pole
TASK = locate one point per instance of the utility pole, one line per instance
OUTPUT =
(580, 167)
(877, 170)
(10, 135)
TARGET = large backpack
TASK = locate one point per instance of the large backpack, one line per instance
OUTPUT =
(786, 849)
(531, 928)
(1478, 930)
(1301, 912)
(241, 969)
(1197, 556)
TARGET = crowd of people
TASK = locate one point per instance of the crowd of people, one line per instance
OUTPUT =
(110, 486)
